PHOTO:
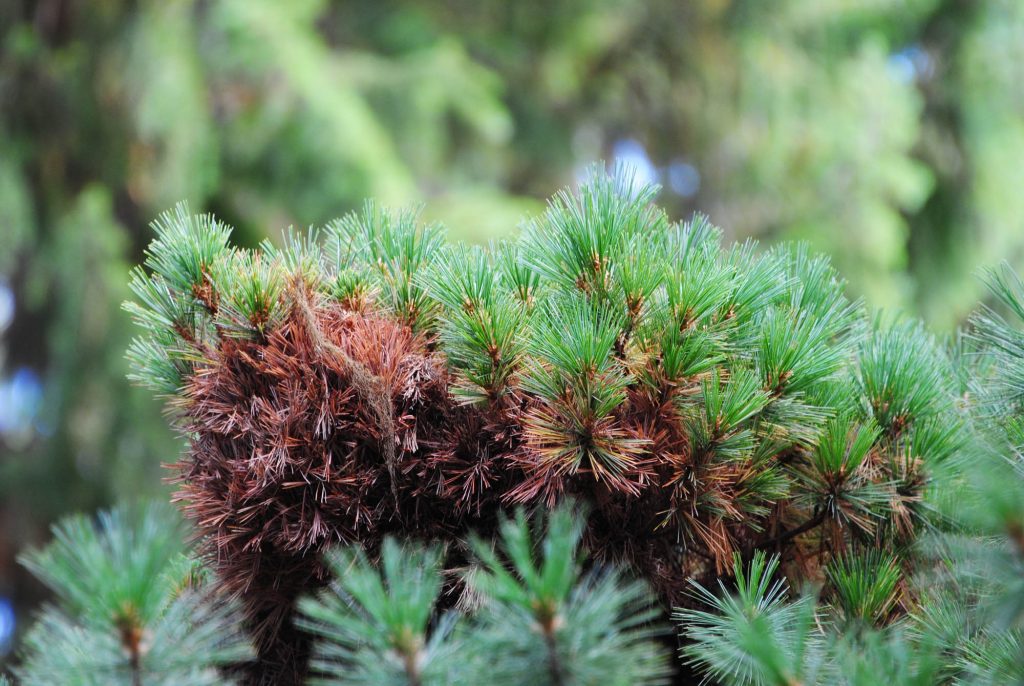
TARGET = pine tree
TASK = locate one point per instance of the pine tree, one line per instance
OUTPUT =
(372, 380)
(373, 414)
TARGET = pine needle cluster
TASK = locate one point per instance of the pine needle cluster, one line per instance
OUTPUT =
(131, 607)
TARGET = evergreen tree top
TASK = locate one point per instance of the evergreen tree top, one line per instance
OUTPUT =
(704, 400)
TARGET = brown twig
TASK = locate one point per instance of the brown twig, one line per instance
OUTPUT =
(555, 669)
(786, 535)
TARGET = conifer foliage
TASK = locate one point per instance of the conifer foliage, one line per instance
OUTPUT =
(131, 607)
(965, 623)
(370, 380)
(536, 616)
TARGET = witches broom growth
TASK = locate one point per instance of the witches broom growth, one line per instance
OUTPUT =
(370, 379)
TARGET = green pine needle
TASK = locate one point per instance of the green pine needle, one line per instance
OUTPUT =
(125, 613)
(543, 621)
(866, 586)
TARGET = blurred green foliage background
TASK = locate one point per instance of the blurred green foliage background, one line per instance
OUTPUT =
(889, 133)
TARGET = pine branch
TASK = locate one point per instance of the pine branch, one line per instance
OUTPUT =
(127, 612)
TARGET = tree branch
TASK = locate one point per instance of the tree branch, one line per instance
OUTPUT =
(788, 534)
